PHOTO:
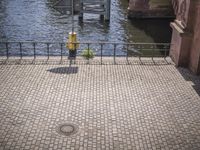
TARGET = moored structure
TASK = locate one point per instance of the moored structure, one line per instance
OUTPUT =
(100, 7)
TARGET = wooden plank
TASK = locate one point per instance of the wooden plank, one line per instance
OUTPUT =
(93, 3)
(101, 7)
(96, 10)
(93, 12)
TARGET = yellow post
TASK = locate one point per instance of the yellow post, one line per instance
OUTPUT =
(72, 39)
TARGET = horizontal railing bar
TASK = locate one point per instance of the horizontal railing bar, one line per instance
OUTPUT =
(86, 42)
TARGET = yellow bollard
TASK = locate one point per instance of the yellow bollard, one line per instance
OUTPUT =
(72, 39)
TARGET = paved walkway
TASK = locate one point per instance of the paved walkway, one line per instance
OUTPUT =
(135, 107)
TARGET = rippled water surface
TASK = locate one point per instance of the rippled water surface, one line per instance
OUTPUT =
(35, 20)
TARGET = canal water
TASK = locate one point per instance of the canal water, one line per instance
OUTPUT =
(36, 20)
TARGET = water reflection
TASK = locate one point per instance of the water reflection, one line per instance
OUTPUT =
(155, 31)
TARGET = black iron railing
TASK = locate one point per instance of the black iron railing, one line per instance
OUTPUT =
(112, 49)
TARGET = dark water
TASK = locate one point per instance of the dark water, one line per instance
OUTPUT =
(35, 20)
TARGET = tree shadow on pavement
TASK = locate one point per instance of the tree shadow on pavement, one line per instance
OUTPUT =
(189, 76)
(64, 70)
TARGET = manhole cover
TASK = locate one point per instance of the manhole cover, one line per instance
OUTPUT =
(67, 129)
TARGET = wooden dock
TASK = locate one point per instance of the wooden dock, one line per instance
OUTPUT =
(65, 6)
(101, 7)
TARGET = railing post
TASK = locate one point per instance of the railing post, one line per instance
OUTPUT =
(61, 50)
(152, 55)
(127, 47)
(101, 53)
(81, 10)
(75, 53)
(20, 47)
(107, 9)
(140, 52)
(34, 51)
(88, 50)
(115, 53)
(7, 50)
(165, 47)
(48, 50)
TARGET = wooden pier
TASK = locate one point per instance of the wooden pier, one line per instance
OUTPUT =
(101, 7)
(65, 6)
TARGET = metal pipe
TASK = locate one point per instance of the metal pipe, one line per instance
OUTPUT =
(72, 16)
(101, 53)
(115, 45)
(165, 48)
(7, 51)
(127, 46)
(34, 51)
(88, 50)
(91, 42)
(48, 50)
(61, 51)
(75, 53)
(20, 48)
(152, 55)
(81, 10)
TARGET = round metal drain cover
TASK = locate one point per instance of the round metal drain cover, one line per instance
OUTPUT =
(67, 129)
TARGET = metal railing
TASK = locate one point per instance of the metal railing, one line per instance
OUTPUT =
(111, 49)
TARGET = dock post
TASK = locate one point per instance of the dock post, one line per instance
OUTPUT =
(107, 9)
(81, 9)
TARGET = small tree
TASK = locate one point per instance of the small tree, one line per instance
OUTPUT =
(88, 54)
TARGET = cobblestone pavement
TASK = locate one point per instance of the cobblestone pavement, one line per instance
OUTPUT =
(135, 107)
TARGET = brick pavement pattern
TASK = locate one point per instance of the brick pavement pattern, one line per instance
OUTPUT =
(133, 107)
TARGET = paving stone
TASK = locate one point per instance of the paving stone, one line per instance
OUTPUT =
(136, 106)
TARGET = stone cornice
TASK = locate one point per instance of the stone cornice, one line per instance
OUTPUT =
(176, 25)
(195, 2)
